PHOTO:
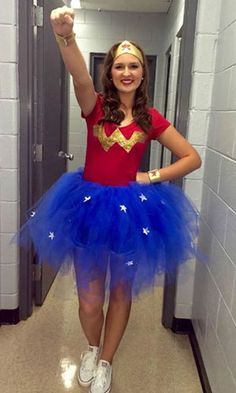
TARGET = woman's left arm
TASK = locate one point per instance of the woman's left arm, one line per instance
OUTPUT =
(188, 157)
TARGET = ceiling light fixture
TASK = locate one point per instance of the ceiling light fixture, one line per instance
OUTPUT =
(75, 4)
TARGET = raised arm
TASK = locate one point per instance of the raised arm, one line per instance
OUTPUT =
(62, 20)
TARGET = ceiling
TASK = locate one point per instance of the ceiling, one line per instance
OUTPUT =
(126, 5)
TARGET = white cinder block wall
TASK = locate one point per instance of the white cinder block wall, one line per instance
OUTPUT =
(8, 153)
(97, 32)
(214, 306)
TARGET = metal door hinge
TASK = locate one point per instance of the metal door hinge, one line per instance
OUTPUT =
(37, 272)
(37, 16)
(37, 153)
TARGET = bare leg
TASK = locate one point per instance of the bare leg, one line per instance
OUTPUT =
(116, 321)
(91, 311)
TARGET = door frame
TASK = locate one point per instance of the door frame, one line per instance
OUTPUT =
(184, 85)
(26, 97)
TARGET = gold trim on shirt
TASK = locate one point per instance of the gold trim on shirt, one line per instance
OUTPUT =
(117, 137)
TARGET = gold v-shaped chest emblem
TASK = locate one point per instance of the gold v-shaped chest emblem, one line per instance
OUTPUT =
(117, 137)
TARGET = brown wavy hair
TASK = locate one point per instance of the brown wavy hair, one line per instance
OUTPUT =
(111, 100)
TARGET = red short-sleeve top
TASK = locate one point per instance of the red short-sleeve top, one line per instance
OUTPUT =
(114, 153)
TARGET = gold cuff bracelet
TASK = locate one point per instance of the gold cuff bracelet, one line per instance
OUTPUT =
(154, 176)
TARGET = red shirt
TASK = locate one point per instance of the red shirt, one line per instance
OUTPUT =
(114, 153)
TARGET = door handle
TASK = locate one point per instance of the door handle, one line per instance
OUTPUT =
(69, 156)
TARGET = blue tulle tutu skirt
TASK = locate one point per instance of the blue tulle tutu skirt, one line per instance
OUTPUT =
(136, 232)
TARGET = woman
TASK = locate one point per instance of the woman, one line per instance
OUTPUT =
(110, 215)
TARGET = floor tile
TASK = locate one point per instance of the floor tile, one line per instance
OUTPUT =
(41, 354)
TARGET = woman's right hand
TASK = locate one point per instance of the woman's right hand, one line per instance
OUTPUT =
(62, 20)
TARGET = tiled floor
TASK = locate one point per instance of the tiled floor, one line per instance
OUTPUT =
(41, 355)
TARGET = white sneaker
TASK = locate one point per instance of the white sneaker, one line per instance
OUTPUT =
(102, 379)
(88, 365)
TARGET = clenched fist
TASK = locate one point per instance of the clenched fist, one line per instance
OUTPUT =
(62, 20)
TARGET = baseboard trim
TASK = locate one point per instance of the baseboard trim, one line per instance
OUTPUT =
(182, 326)
(185, 326)
(9, 317)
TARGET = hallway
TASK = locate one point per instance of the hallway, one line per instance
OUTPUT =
(41, 355)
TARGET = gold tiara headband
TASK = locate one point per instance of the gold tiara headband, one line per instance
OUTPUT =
(127, 47)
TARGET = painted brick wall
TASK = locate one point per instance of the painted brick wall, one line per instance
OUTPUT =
(214, 109)
(9, 197)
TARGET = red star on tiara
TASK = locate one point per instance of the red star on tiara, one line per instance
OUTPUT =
(126, 46)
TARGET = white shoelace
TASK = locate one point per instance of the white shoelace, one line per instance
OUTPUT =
(101, 376)
(89, 361)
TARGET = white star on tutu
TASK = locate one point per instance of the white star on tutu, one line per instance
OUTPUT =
(129, 263)
(143, 197)
(87, 198)
(123, 208)
(32, 214)
(51, 235)
(146, 231)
